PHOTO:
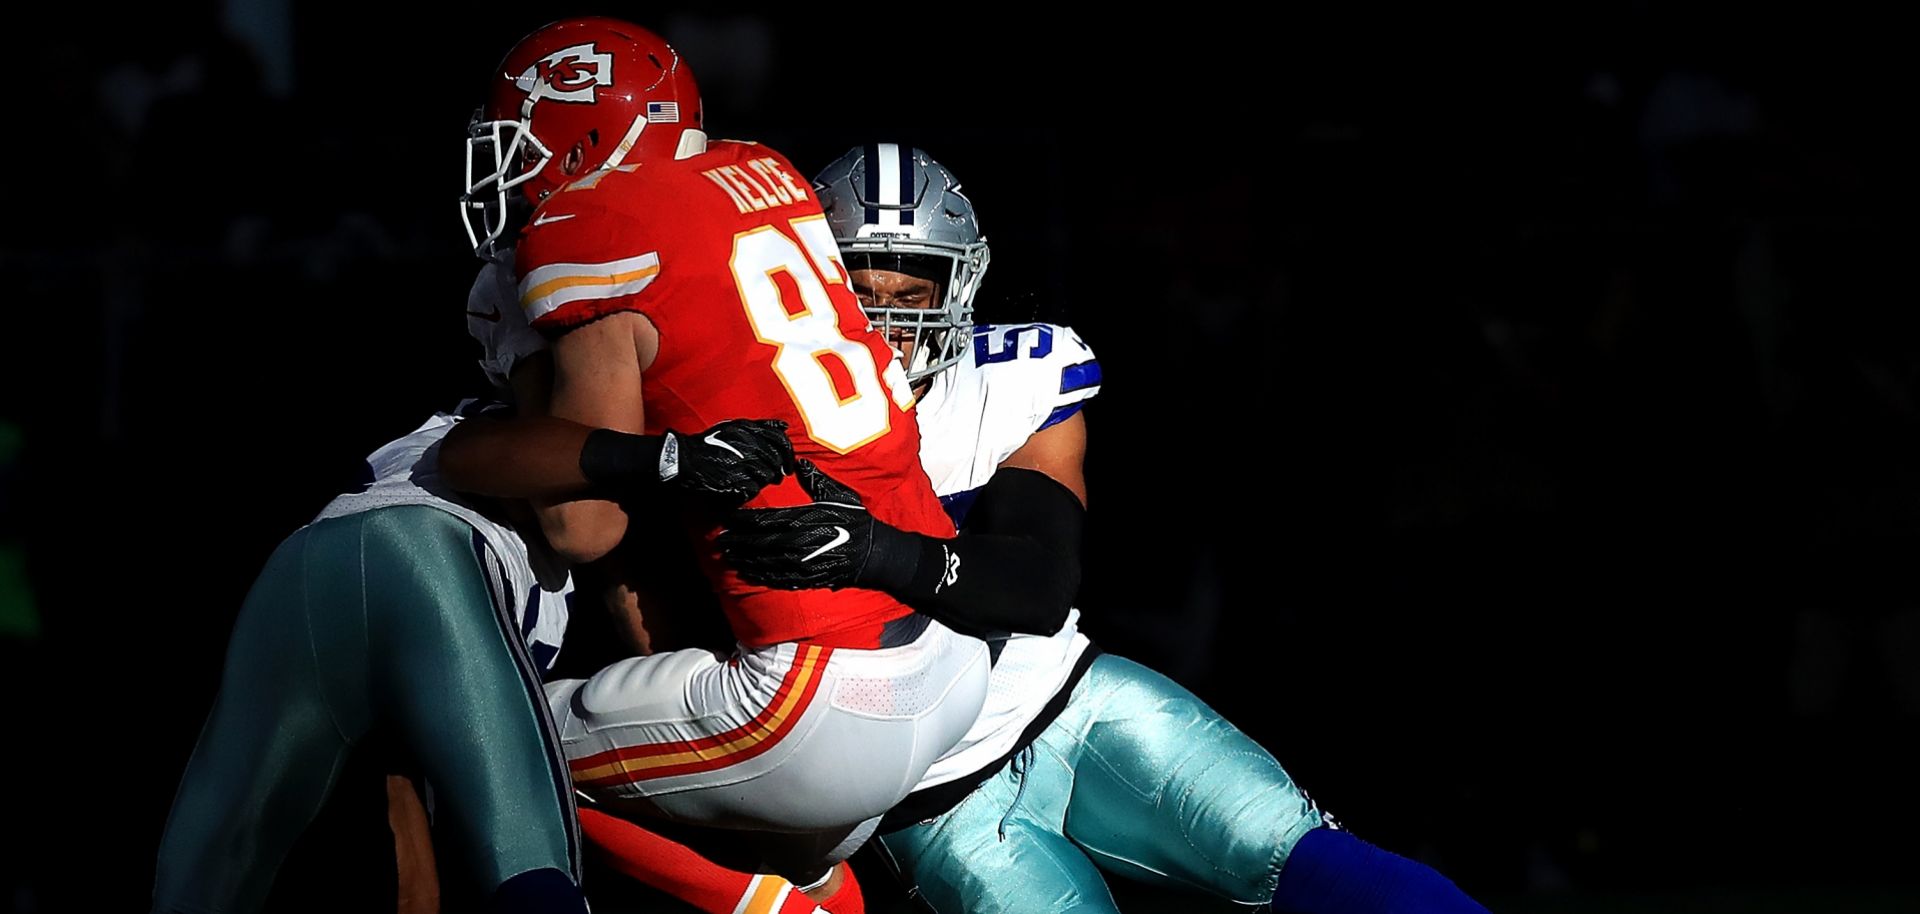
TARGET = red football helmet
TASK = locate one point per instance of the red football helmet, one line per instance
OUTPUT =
(571, 98)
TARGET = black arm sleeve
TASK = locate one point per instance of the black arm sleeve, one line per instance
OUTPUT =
(620, 461)
(1015, 567)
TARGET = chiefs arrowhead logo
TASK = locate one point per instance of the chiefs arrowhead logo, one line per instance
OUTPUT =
(567, 75)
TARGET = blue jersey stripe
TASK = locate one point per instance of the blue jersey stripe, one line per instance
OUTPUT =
(1060, 414)
(543, 654)
(1080, 377)
(532, 618)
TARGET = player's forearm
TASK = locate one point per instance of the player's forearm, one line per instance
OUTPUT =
(1015, 567)
(547, 457)
(582, 530)
(980, 584)
(522, 457)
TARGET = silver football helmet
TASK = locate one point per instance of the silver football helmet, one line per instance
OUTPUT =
(893, 207)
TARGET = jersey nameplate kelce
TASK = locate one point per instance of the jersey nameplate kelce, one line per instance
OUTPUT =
(773, 186)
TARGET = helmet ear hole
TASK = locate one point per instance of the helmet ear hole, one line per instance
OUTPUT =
(574, 157)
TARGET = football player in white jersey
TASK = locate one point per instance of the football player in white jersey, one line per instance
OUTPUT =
(1081, 763)
(404, 609)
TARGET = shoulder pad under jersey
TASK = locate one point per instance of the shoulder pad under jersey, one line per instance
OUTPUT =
(585, 254)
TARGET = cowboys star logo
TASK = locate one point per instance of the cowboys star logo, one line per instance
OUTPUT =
(567, 75)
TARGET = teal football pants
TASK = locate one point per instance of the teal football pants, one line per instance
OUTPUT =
(384, 620)
(1137, 778)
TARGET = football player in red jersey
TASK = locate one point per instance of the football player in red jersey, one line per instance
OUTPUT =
(1083, 765)
(683, 284)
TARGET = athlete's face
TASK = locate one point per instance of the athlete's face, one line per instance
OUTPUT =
(888, 289)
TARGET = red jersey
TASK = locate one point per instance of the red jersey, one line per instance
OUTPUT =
(729, 256)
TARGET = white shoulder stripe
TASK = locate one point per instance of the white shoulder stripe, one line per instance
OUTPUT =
(556, 284)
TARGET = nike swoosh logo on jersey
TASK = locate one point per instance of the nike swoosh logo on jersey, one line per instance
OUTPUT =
(484, 315)
(545, 218)
(714, 440)
(839, 536)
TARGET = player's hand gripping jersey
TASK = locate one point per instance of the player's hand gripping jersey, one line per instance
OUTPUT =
(826, 715)
(753, 739)
(728, 255)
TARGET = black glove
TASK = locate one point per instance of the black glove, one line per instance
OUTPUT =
(730, 462)
(831, 543)
(1015, 569)
(723, 466)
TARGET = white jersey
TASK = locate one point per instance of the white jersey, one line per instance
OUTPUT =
(1020, 379)
(497, 322)
(534, 584)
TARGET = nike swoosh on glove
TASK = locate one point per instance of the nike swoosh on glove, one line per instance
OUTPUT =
(729, 462)
(823, 544)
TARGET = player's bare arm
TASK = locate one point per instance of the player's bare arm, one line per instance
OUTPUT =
(536, 456)
(579, 464)
(527, 456)
(596, 382)
(1059, 451)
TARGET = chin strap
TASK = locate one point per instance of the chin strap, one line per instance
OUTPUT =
(626, 142)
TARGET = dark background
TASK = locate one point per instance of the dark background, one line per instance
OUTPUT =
(1509, 420)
